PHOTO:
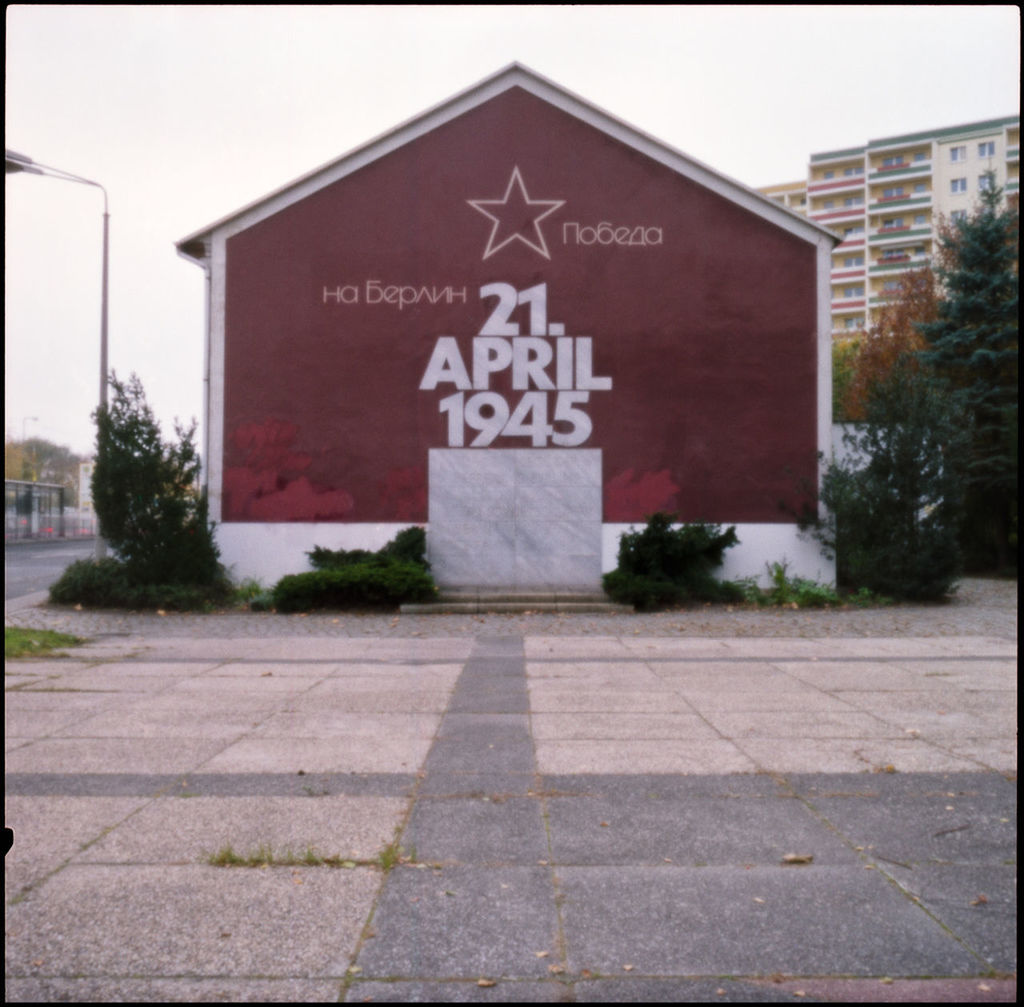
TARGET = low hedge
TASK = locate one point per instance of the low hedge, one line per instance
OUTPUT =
(375, 583)
(105, 583)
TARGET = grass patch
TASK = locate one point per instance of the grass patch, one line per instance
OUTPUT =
(36, 642)
(265, 855)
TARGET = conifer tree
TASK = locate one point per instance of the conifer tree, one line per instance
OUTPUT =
(973, 345)
(146, 496)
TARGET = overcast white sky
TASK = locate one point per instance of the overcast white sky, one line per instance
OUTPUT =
(188, 113)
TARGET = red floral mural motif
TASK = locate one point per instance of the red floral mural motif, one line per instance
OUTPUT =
(404, 493)
(268, 485)
(628, 497)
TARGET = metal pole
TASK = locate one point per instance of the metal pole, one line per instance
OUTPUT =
(15, 162)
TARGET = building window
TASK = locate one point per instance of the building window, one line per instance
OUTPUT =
(985, 182)
(829, 204)
(920, 156)
(892, 162)
(958, 153)
(853, 260)
(987, 149)
(851, 323)
(857, 291)
(857, 229)
(958, 185)
(830, 174)
(893, 223)
(859, 170)
(920, 187)
(920, 219)
(958, 215)
(891, 285)
(892, 193)
(853, 201)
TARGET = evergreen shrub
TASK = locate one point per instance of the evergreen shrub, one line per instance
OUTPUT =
(373, 584)
(662, 565)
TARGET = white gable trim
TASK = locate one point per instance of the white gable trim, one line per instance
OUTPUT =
(514, 75)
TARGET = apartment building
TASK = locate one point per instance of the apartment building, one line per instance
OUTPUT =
(886, 200)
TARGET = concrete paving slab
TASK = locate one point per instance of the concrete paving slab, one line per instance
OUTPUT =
(889, 990)
(335, 694)
(621, 726)
(689, 831)
(478, 755)
(633, 756)
(626, 787)
(188, 830)
(319, 755)
(321, 723)
(463, 922)
(809, 701)
(560, 699)
(440, 783)
(575, 647)
(736, 921)
(484, 725)
(849, 755)
(220, 990)
(459, 991)
(679, 990)
(109, 755)
(49, 831)
(781, 724)
(493, 829)
(976, 902)
(997, 755)
(166, 722)
(114, 671)
(860, 676)
(169, 921)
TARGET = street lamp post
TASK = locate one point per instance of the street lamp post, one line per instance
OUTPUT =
(15, 162)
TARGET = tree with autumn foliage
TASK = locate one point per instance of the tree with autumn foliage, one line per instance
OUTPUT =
(895, 336)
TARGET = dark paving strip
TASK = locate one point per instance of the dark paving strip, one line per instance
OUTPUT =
(209, 784)
(633, 887)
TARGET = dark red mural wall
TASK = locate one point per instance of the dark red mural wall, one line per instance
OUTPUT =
(516, 278)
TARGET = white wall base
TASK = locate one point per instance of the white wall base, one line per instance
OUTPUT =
(267, 552)
(759, 545)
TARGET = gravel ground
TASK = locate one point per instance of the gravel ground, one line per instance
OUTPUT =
(981, 607)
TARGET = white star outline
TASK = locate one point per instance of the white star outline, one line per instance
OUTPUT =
(539, 245)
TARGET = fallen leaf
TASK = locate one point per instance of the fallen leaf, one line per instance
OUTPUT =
(886, 980)
(627, 968)
(984, 988)
(542, 954)
(761, 901)
(486, 982)
(354, 970)
(980, 900)
(798, 858)
(556, 969)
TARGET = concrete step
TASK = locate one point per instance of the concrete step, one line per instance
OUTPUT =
(474, 601)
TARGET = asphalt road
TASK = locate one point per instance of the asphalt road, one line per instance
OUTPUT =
(33, 566)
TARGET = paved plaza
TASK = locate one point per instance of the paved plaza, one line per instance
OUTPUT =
(514, 809)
